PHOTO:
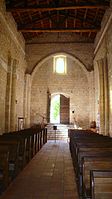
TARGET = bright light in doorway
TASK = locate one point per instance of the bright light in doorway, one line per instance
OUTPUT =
(55, 109)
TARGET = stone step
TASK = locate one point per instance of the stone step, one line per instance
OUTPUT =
(60, 134)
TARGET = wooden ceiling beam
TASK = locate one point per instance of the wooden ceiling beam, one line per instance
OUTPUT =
(41, 19)
(60, 30)
(43, 9)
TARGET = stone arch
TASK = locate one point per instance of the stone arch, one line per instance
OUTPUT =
(62, 93)
(67, 54)
(87, 77)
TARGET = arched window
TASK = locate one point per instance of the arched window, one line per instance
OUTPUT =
(60, 64)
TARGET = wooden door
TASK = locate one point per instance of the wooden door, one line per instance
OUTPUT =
(64, 109)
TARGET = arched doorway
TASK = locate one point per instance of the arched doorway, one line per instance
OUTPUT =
(59, 109)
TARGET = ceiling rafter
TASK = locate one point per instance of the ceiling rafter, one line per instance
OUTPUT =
(50, 19)
(35, 17)
(50, 22)
(49, 8)
(96, 15)
(40, 19)
(66, 18)
(49, 16)
(60, 30)
(85, 15)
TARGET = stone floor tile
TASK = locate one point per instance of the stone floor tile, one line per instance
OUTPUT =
(49, 175)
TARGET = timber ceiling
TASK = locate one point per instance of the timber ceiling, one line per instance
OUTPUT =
(35, 17)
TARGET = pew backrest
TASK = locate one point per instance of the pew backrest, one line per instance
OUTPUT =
(101, 184)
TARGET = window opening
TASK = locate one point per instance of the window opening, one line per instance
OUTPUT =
(60, 64)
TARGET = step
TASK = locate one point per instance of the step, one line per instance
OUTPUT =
(60, 134)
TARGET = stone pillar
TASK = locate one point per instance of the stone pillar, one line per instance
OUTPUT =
(91, 96)
(101, 97)
(27, 100)
(8, 96)
(104, 96)
(13, 97)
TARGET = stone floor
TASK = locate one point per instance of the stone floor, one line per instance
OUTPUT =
(49, 175)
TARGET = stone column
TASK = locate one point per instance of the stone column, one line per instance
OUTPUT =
(8, 95)
(106, 96)
(101, 97)
(91, 96)
(27, 100)
(13, 97)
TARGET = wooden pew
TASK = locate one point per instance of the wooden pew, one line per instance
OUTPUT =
(92, 155)
(20, 147)
(4, 168)
(84, 138)
(12, 146)
(93, 163)
(40, 137)
(22, 140)
(44, 135)
(8, 161)
(89, 148)
(101, 184)
(85, 145)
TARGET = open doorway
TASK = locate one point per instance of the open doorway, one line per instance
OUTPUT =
(59, 110)
(55, 109)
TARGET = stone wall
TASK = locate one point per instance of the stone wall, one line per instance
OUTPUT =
(39, 50)
(3, 78)
(78, 84)
(74, 84)
(12, 47)
(104, 52)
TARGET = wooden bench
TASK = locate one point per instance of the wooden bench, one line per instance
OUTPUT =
(31, 140)
(22, 140)
(16, 150)
(88, 149)
(12, 146)
(101, 184)
(92, 163)
(4, 168)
